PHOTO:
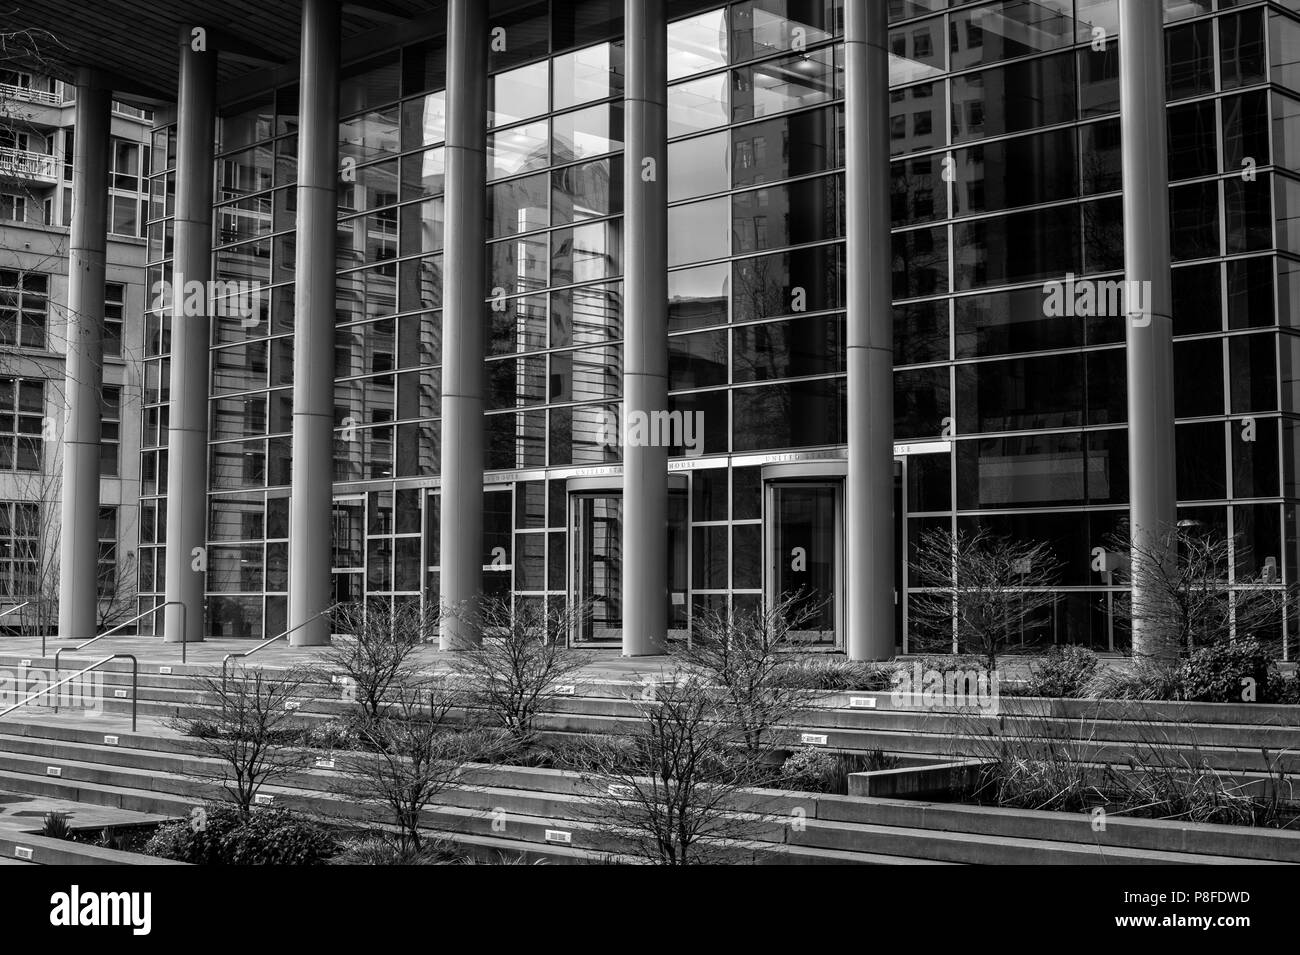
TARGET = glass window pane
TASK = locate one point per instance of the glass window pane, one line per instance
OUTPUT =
(787, 146)
(698, 167)
(811, 210)
(518, 94)
(697, 44)
(518, 150)
(1013, 28)
(775, 86)
(700, 231)
(587, 75)
(587, 132)
(760, 27)
(518, 205)
(698, 297)
(587, 191)
(698, 105)
(1015, 97)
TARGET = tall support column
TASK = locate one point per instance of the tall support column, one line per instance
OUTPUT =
(645, 324)
(463, 268)
(869, 487)
(187, 435)
(84, 368)
(311, 489)
(1152, 488)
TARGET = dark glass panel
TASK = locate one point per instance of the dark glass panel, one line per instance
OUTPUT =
(772, 285)
(1250, 293)
(1019, 96)
(1010, 322)
(709, 495)
(746, 494)
(1197, 299)
(920, 262)
(697, 361)
(1194, 220)
(1248, 214)
(1254, 457)
(794, 145)
(793, 415)
(1198, 378)
(921, 332)
(921, 402)
(1193, 149)
(1202, 475)
(1021, 247)
(811, 210)
(929, 482)
(1099, 161)
(1189, 60)
(1025, 171)
(1241, 48)
(794, 348)
(1245, 130)
(1252, 372)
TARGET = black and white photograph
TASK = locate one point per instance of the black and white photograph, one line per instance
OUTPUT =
(556, 433)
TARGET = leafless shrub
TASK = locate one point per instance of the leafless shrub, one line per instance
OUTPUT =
(252, 730)
(373, 649)
(414, 756)
(668, 790)
(979, 590)
(745, 657)
(520, 661)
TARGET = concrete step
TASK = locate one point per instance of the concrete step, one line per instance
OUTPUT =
(41, 850)
(535, 793)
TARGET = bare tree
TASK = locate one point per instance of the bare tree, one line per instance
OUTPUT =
(251, 728)
(414, 757)
(117, 593)
(978, 593)
(520, 660)
(672, 792)
(1199, 596)
(742, 655)
(374, 646)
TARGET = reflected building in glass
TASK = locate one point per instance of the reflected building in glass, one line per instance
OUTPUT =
(1004, 155)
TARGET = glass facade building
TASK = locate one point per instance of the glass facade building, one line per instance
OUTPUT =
(1005, 175)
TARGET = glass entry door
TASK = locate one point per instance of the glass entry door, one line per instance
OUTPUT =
(596, 536)
(804, 555)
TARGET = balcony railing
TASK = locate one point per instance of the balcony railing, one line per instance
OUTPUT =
(30, 95)
(22, 164)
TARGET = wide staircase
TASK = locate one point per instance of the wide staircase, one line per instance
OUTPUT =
(533, 813)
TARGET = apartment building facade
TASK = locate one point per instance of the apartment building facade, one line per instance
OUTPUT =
(37, 134)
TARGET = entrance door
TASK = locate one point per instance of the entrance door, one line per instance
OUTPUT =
(804, 556)
(596, 534)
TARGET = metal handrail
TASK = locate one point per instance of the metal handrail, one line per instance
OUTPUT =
(5, 613)
(266, 643)
(124, 623)
(135, 685)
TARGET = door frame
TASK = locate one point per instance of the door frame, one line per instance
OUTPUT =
(770, 557)
(572, 496)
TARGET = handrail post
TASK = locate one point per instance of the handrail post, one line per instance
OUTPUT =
(56, 675)
(135, 684)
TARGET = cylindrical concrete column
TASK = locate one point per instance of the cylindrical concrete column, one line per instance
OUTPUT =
(187, 434)
(1152, 487)
(311, 488)
(645, 324)
(869, 486)
(463, 295)
(84, 366)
